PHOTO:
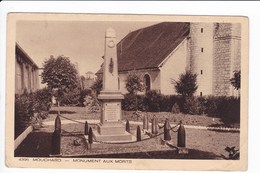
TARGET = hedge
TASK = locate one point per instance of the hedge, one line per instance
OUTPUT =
(225, 107)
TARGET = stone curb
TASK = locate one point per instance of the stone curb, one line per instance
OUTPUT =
(22, 136)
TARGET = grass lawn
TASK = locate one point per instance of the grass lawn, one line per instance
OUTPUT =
(203, 144)
(197, 120)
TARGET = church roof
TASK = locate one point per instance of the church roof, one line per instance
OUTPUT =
(24, 55)
(146, 48)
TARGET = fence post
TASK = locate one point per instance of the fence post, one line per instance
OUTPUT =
(154, 125)
(55, 144)
(58, 123)
(181, 136)
(86, 127)
(166, 130)
(127, 126)
(138, 134)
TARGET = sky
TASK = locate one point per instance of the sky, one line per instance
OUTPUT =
(81, 41)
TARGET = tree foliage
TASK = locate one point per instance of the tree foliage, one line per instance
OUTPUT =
(134, 83)
(235, 81)
(59, 73)
(187, 84)
(98, 85)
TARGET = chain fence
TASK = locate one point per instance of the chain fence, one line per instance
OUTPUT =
(129, 142)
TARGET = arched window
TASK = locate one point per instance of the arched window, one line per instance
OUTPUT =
(147, 83)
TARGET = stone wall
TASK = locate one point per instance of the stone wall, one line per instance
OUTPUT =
(227, 57)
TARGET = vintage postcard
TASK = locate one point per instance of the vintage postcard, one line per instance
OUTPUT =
(154, 92)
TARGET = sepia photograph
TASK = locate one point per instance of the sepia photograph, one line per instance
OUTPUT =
(127, 91)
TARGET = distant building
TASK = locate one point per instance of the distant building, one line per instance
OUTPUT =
(26, 72)
(161, 52)
(89, 80)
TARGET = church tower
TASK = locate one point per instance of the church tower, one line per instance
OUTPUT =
(201, 56)
(227, 57)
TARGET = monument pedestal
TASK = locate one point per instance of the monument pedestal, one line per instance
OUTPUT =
(111, 127)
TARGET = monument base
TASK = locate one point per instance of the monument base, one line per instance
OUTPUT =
(112, 132)
(126, 137)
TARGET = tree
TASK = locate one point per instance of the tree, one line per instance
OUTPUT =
(235, 81)
(187, 84)
(98, 85)
(59, 74)
(133, 83)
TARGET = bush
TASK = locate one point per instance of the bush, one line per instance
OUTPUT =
(133, 102)
(82, 96)
(74, 97)
(70, 97)
(94, 105)
(26, 105)
(226, 108)
(167, 102)
(23, 112)
(175, 109)
(153, 101)
(187, 84)
(193, 105)
(229, 110)
(42, 102)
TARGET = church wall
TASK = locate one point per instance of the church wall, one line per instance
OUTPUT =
(172, 68)
(26, 75)
(154, 76)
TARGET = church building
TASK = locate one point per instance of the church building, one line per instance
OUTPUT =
(26, 72)
(161, 52)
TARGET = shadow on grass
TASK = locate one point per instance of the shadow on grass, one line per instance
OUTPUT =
(37, 144)
(62, 112)
(170, 154)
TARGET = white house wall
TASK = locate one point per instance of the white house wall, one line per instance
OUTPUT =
(173, 66)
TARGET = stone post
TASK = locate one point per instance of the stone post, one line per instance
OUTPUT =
(145, 122)
(138, 134)
(154, 125)
(127, 126)
(166, 129)
(58, 124)
(55, 143)
(181, 136)
(86, 127)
